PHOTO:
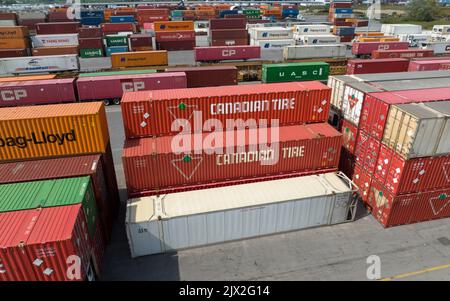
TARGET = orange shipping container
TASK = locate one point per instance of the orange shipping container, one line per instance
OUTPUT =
(12, 32)
(53, 130)
(369, 39)
(369, 34)
(139, 59)
(25, 78)
(174, 25)
(14, 43)
(390, 39)
(55, 50)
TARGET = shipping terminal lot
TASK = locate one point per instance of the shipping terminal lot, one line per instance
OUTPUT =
(338, 252)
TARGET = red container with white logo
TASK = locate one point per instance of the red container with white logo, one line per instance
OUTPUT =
(376, 106)
(366, 151)
(173, 36)
(57, 27)
(366, 48)
(393, 210)
(350, 134)
(37, 92)
(42, 244)
(229, 42)
(151, 18)
(157, 165)
(151, 113)
(113, 87)
(362, 180)
(429, 65)
(406, 53)
(223, 53)
(377, 66)
(111, 28)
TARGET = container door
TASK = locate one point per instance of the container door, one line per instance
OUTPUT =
(427, 137)
(444, 141)
(341, 208)
(393, 124)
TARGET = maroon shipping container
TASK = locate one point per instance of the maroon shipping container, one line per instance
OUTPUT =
(346, 39)
(393, 210)
(228, 34)
(124, 13)
(8, 16)
(208, 76)
(86, 43)
(366, 151)
(227, 24)
(350, 135)
(377, 66)
(58, 17)
(13, 52)
(256, 21)
(185, 35)
(362, 180)
(366, 48)
(362, 23)
(407, 54)
(151, 113)
(229, 42)
(36, 244)
(347, 163)
(31, 23)
(113, 87)
(36, 92)
(54, 50)
(150, 18)
(140, 40)
(401, 176)
(376, 106)
(343, 24)
(238, 16)
(152, 166)
(68, 167)
(429, 65)
(153, 12)
(89, 32)
(176, 45)
(109, 28)
(57, 28)
(341, 4)
(223, 53)
(98, 248)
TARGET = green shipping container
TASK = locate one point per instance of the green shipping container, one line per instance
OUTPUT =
(252, 13)
(115, 40)
(112, 73)
(91, 52)
(176, 13)
(290, 72)
(51, 193)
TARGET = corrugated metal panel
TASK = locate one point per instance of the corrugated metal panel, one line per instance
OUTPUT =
(362, 180)
(188, 219)
(151, 113)
(443, 107)
(151, 166)
(337, 84)
(219, 53)
(350, 135)
(81, 128)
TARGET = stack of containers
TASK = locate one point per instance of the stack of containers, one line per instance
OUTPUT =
(117, 43)
(58, 15)
(314, 34)
(228, 32)
(343, 19)
(150, 15)
(8, 19)
(175, 35)
(59, 192)
(92, 17)
(272, 12)
(252, 13)
(14, 41)
(90, 42)
(203, 13)
(189, 15)
(428, 65)
(289, 11)
(271, 37)
(58, 38)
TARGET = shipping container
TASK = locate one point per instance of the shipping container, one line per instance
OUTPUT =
(55, 50)
(290, 103)
(4, 53)
(139, 59)
(173, 25)
(89, 32)
(57, 28)
(362, 179)
(270, 33)
(53, 130)
(139, 40)
(54, 40)
(440, 48)
(114, 28)
(366, 48)
(116, 40)
(408, 53)
(395, 29)
(39, 64)
(176, 45)
(8, 23)
(272, 44)
(86, 43)
(112, 87)
(237, 23)
(228, 34)
(377, 66)
(208, 76)
(37, 243)
(15, 32)
(366, 152)
(429, 65)
(318, 39)
(288, 205)
(27, 78)
(114, 73)
(91, 52)
(171, 36)
(116, 49)
(121, 19)
(92, 21)
(14, 43)
(95, 64)
(312, 29)
(295, 72)
(350, 135)
(223, 53)
(314, 51)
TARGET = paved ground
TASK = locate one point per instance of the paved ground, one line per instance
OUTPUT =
(414, 252)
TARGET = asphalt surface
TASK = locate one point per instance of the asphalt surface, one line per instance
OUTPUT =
(413, 252)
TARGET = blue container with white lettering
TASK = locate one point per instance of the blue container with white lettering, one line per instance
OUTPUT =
(345, 31)
(121, 19)
(93, 21)
(289, 13)
(343, 11)
(116, 49)
(228, 12)
(91, 14)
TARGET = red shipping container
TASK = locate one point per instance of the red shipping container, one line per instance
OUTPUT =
(89, 32)
(227, 23)
(350, 135)
(343, 24)
(113, 87)
(36, 244)
(8, 16)
(347, 163)
(87, 43)
(57, 27)
(229, 42)
(238, 16)
(152, 166)
(42, 51)
(37, 92)
(361, 48)
(362, 180)
(347, 39)
(173, 36)
(58, 17)
(150, 18)
(227, 53)
(153, 12)
(176, 45)
(362, 23)
(98, 248)
(366, 151)
(140, 40)
(31, 23)
(208, 76)
(13, 52)
(109, 28)
(341, 4)
(393, 210)
(228, 34)
(376, 106)
(68, 167)
(429, 65)
(407, 54)
(377, 66)
(151, 113)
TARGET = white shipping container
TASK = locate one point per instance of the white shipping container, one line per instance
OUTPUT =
(337, 84)
(95, 64)
(396, 29)
(439, 47)
(441, 29)
(415, 40)
(39, 64)
(272, 54)
(443, 107)
(272, 44)
(320, 40)
(413, 130)
(314, 51)
(201, 41)
(312, 29)
(6, 23)
(189, 219)
(270, 33)
(344, 16)
(54, 40)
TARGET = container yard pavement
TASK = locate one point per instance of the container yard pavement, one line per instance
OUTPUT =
(413, 252)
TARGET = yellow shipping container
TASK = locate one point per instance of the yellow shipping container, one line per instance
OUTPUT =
(53, 130)
(13, 32)
(369, 39)
(173, 25)
(14, 43)
(139, 59)
(390, 39)
(26, 78)
(369, 34)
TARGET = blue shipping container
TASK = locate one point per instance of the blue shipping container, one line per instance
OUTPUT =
(343, 11)
(345, 31)
(116, 49)
(121, 19)
(289, 12)
(91, 13)
(91, 21)
(228, 12)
